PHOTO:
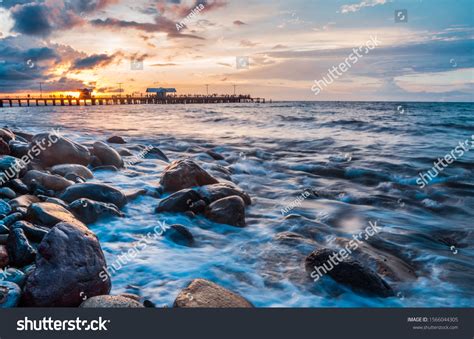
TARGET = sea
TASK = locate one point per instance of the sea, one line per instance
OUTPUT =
(318, 173)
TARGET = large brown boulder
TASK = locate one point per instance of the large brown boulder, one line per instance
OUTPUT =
(111, 301)
(223, 190)
(46, 181)
(6, 134)
(185, 173)
(23, 201)
(49, 214)
(230, 211)
(203, 293)
(52, 149)
(107, 155)
(97, 192)
(68, 265)
(68, 170)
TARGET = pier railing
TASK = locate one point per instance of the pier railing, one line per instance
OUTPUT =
(126, 100)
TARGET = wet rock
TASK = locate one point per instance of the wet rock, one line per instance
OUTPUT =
(111, 301)
(69, 265)
(18, 186)
(20, 251)
(230, 211)
(155, 152)
(180, 201)
(10, 168)
(23, 136)
(222, 190)
(23, 201)
(134, 194)
(7, 193)
(58, 150)
(32, 232)
(66, 170)
(4, 229)
(46, 181)
(13, 275)
(348, 272)
(5, 208)
(10, 294)
(6, 134)
(49, 214)
(97, 192)
(89, 211)
(293, 239)
(183, 174)
(215, 155)
(101, 168)
(180, 235)
(12, 218)
(56, 201)
(18, 149)
(115, 139)
(3, 239)
(124, 152)
(4, 260)
(107, 155)
(206, 294)
(4, 148)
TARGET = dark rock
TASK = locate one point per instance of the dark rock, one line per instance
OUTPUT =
(230, 211)
(115, 139)
(180, 201)
(5, 208)
(32, 232)
(111, 301)
(107, 155)
(6, 134)
(124, 152)
(155, 152)
(4, 259)
(20, 251)
(4, 148)
(180, 235)
(222, 190)
(14, 275)
(183, 174)
(206, 294)
(47, 181)
(12, 218)
(132, 195)
(97, 192)
(18, 186)
(49, 214)
(4, 229)
(215, 155)
(56, 201)
(58, 150)
(147, 303)
(3, 239)
(69, 265)
(7, 193)
(10, 168)
(18, 149)
(72, 169)
(108, 168)
(347, 272)
(23, 135)
(10, 294)
(89, 211)
(24, 201)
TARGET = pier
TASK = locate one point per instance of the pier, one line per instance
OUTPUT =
(127, 100)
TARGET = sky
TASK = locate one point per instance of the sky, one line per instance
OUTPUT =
(266, 48)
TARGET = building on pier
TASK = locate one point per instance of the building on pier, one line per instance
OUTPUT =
(161, 92)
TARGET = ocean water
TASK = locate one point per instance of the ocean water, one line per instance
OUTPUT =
(320, 170)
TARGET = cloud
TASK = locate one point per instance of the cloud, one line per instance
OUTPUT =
(248, 43)
(239, 23)
(93, 61)
(163, 65)
(32, 19)
(359, 6)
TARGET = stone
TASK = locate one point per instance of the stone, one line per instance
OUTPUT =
(23, 201)
(4, 147)
(11, 219)
(49, 214)
(10, 168)
(4, 259)
(107, 155)
(156, 153)
(20, 251)
(66, 170)
(115, 139)
(111, 301)
(8, 193)
(18, 149)
(10, 294)
(89, 211)
(32, 232)
(180, 201)
(230, 211)
(180, 235)
(52, 149)
(206, 294)
(218, 191)
(46, 181)
(6, 134)
(183, 174)
(13, 275)
(5, 208)
(69, 265)
(97, 192)
(348, 272)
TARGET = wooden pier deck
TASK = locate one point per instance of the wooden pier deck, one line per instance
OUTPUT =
(127, 100)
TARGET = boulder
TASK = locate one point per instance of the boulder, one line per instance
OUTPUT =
(111, 301)
(206, 294)
(155, 153)
(180, 235)
(23, 201)
(5, 208)
(10, 294)
(14, 275)
(230, 211)
(107, 155)
(32, 232)
(20, 251)
(4, 148)
(6, 134)
(7, 193)
(97, 192)
(89, 211)
(10, 168)
(180, 201)
(46, 181)
(52, 149)
(115, 139)
(222, 190)
(183, 174)
(347, 272)
(49, 214)
(4, 260)
(68, 266)
(11, 219)
(18, 149)
(68, 170)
